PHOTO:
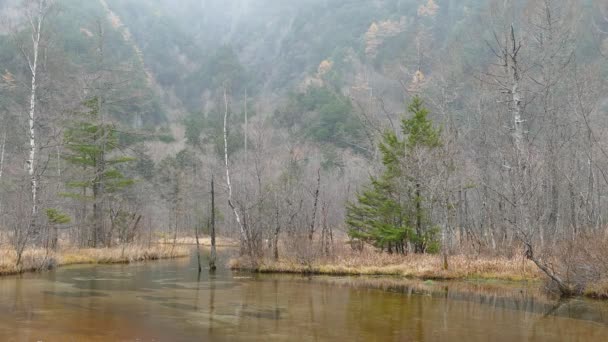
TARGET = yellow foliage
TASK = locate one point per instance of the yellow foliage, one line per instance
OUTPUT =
(417, 81)
(373, 30)
(8, 78)
(379, 31)
(418, 77)
(324, 67)
(428, 10)
(86, 32)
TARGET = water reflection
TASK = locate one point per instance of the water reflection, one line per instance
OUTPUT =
(80, 294)
(180, 306)
(170, 301)
(496, 295)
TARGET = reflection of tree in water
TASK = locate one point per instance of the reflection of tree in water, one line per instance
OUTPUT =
(211, 302)
(80, 294)
(496, 295)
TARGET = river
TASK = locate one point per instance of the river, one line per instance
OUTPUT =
(168, 301)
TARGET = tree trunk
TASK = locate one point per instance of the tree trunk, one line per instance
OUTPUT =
(98, 189)
(198, 248)
(277, 230)
(228, 183)
(55, 238)
(33, 64)
(2, 149)
(213, 257)
(246, 130)
(573, 216)
(565, 289)
(325, 231)
(554, 191)
(176, 209)
(36, 22)
(311, 232)
(96, 215)
(419, 244)
(444, 247)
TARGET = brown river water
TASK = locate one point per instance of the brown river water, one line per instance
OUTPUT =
(168, 301)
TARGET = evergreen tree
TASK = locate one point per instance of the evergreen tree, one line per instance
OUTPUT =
(391, 211)
(93, 146)
(380, 217)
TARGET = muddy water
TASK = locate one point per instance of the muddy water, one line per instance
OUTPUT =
(167, 301)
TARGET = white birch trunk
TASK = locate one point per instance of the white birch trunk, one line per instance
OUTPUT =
(518, 131)
(228, 183)
(2, 149)
(246, 131)
(521, 151)
(36, 23)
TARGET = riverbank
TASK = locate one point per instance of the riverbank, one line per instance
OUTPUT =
(414, 266)
(203, 241)
(597, 290)
(425, 267)
(34, 260)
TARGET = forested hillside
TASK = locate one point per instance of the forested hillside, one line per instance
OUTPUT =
(411, 126)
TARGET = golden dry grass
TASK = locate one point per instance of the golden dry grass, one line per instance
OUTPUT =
(411, 266)
(597, 290)
(32, 260)
(40, 259)
(203, 241)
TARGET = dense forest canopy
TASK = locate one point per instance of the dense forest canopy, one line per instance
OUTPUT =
(419, 126)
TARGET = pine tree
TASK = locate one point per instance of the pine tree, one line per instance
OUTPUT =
(419, 129)
(93, 146)
(380, 217)
(391, 210)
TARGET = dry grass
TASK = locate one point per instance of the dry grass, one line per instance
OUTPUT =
(580, 263)
(203, 241)
(411, 266)
(32, 260)
(597, 290)
(39, 259)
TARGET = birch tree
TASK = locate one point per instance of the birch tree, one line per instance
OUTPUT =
(36, 12)
(2, 150)
(31, 47)
(213, 256)
(234, 209)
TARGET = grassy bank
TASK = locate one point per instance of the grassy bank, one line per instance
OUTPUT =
(203, 241)
(597, 290)
(426, 267)
(39, 259)
(423, 267)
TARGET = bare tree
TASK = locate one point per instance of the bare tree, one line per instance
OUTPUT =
(36, 12)
(2, 150)
(315, 206)
(235, 211)
(213, 257)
